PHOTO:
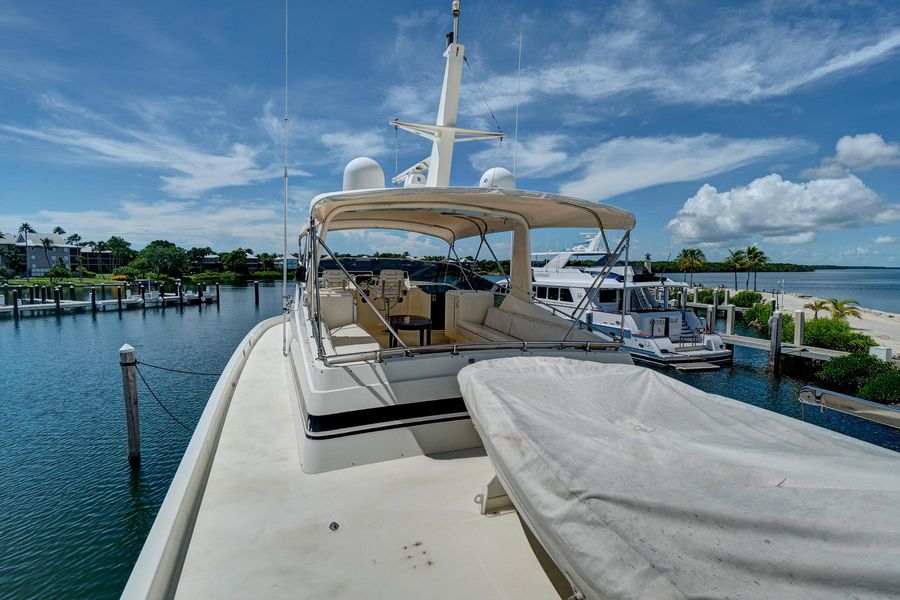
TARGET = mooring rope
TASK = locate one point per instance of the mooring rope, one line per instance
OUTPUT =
(158, 401)
(140, 362)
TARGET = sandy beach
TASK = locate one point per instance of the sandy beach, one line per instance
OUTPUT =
(883, 326)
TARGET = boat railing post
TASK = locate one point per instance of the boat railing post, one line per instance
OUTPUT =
(729, 319)
(57, 297)
(129, 388)
(775, 342)
(799, 326)
(15, 301)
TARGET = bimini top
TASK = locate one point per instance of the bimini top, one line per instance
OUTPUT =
(453, 213)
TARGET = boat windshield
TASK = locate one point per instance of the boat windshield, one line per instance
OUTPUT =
(585, 260)
(440, 272)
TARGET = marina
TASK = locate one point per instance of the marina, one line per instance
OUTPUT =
(423, 403)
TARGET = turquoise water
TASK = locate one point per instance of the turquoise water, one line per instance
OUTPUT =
(74, 516)
(873, 288)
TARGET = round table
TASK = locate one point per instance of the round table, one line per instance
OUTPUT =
(411, 323)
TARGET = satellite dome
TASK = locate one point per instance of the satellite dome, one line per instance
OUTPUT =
(363, 173)
(498, 177)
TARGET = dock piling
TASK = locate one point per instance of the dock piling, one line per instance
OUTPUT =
(256, 291)
(15, 299)
(715, 302)
(696, 291)
(710, 317)
(93, 300)
(218, 293)
(729, 319)
(775, 342)
(57, 296)
(180, 290)
(799, 326)
(43, 294)
(727, 297)
(129, 388)
(120, 292)
(31, 291)
(71, 292)
(200, 295)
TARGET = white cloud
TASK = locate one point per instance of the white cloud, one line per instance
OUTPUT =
(219, 224)
(624, 164)
(537, 156)
(778, 209)
(885, 239)
(804, 237)
(346, 145)
(867, 151)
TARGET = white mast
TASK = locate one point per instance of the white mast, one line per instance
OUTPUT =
(444, 133)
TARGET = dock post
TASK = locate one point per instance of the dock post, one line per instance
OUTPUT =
(200, 294)
(31, 291)
(775, 342)
(43, 294)
(141, 290)
(15, 299)
(93, 300)
(179, 288)
(774, 305)
(729, 319)
(120, 292)
(103, 291)
(710, 317)
(716, 302)
(57, 296)
(256, 291)
(696, 291)
(218, 293)
(727, 297)
(129, 388)
(799, 326)
(71, 292)
(682, 298)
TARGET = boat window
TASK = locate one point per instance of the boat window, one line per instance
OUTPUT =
(553, 293)
(606, 296)
(542, 292)
(537, 263)
(587, 260)
(565, 295)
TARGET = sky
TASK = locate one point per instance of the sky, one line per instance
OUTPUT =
(718, 124)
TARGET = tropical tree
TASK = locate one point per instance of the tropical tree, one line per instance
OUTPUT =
(73, 239)
(165, 258)
(236, 260)
(58, 272)
(266, 261)
(26, 229)
(756, 258)
(195, 256)
(735, 260)
(59, 230)
(689, 260)
(99, 248)
(121, 250)
(47, 245)
(842, 309)
(816, 306)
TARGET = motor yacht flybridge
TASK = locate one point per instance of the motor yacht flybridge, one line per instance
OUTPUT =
(511, 453)
(655, 330)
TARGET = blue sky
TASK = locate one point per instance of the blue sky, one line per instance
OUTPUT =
(775, 123)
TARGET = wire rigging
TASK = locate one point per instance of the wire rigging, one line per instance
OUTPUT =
(518, 77)
(158, 401)
(140, 362)
(483, 97)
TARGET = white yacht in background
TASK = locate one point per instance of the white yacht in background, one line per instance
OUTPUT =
(655, 330)
(344, 453)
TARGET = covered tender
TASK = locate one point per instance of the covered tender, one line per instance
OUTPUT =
(639, 486)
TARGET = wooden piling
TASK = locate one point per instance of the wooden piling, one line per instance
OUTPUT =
(729, 319)
(72, 293)
(121, 292)
(775, 342)
(93, 300)
(15, 299)
(31, 291)
(799, 326)
(774, 305)
(180, 289)
(57, 296)
(129, 388)
(143, 297)
(256, 291)
(103, 291)
(200, 294)
(43, 294)
(218, 293)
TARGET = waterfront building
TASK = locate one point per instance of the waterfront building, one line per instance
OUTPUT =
(39, 259)
(98, 261)
(211, 262)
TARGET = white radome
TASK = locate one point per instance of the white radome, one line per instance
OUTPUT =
(498, 177)
(363, 173)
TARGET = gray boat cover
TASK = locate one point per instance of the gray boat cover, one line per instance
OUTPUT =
(639, 486)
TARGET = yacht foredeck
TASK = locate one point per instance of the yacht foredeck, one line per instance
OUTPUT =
(405, 527)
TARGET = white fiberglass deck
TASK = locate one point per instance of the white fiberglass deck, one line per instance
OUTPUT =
(406, 528)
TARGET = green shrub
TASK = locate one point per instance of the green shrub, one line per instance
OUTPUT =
(850, 373)
(835, 334)
(705, 296)
(130, 272)
(759, 313)
(266, 275)
(746, 299)
(213, 277)
(758, 316)
(884, 388)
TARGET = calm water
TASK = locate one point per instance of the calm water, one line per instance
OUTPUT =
(873, 288)
(72, 515)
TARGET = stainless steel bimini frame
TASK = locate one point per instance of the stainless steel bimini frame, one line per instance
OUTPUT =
(850, 405)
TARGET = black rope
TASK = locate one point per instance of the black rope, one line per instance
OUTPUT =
(483, 97)
(158, 401)
(140, 362)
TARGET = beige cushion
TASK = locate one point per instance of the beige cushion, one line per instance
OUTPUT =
(498, 319)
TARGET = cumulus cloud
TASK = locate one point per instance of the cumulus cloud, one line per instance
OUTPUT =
(542, 155)
(779, 210)
(625, 164)
(857, 152)
(885, 239)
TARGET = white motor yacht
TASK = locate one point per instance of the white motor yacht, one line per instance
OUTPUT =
(654, 330)
(358, 447)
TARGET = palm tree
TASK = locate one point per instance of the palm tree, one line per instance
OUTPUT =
(99, 248)
(841, 309)
(756, 258)
(690, 259)
(48, 245)
(736, 260)
(73, 239)
(816, 306)
(26, 229)
(59, 230)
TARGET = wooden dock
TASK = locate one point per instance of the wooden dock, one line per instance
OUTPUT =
(808, 352)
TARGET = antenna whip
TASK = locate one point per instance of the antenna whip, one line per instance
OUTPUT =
(518, 76)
